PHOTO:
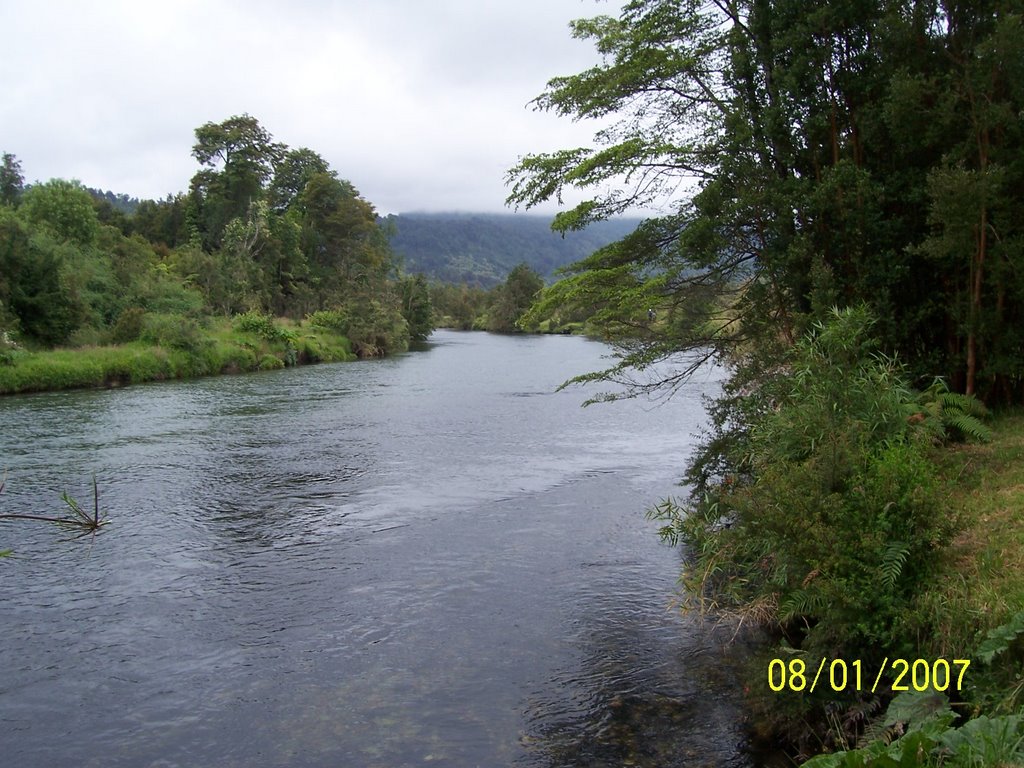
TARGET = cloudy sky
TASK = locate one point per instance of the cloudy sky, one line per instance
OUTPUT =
(422, 105)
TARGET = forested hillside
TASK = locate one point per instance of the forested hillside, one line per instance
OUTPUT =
(482, 249)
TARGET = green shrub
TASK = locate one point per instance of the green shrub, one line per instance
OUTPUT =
(271, 363)
(310, 350)
(9, 349)
(225, 357)
(129, 326)
(143, 365)
(829, 550)
(377, 328)
(329, 320)
(87, 336)
(323, 348)
(172, 331)
(817, 511)
(256, 323)
(262, 326)
(166, 294)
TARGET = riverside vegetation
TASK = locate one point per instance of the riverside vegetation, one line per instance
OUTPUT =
(191, 285)
(850, 250)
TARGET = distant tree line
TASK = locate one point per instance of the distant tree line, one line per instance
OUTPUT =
(499, 309)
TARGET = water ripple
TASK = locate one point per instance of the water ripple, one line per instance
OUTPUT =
(435, 558)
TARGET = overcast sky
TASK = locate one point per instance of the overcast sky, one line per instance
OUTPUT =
(421, 104)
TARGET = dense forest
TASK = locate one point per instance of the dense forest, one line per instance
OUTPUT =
(851, 251)
(860, 153)
(264, 230)
(482, 249)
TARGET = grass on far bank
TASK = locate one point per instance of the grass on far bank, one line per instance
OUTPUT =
(201, 351)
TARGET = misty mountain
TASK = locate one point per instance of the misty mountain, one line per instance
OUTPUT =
(481, 249)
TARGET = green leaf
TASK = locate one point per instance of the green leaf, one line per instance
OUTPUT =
(987, 741)
(999, 639)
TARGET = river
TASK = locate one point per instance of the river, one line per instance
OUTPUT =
(432, 559)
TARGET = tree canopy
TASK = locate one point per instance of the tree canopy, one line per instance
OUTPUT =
(802, 157)
(12, 182)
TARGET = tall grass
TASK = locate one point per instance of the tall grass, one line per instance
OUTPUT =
(218, 350)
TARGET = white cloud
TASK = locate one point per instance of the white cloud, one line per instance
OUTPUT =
(423, 106)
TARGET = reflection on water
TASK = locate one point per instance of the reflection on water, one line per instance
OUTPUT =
(435, 558)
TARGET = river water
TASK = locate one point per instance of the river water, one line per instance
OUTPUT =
(433, 559)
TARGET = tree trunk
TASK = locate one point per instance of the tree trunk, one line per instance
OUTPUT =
(972, 332)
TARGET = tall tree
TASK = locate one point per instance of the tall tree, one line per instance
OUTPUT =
(341, 239)
(416, 308)
(239, 156)
(162, 221)
(33, 284)
(511, 300)
(63, 207)
(292, 174)
(977, 237)
(12, 182)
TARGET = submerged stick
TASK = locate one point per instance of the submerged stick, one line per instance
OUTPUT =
(81, 518)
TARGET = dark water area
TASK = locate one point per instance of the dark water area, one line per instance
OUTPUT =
(433, 559)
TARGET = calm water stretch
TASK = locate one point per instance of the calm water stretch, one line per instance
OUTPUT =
(432, 559)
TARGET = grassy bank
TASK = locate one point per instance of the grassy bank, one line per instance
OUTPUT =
(984, 583)
(177, 351)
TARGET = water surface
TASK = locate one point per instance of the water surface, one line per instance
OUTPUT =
(430, 559)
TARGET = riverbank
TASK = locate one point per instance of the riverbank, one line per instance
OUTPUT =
(183, 349)
(978, 604)
(851, 519)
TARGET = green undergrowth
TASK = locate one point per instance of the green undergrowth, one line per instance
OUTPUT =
(856, 520)
(977, 601)
(173, 347)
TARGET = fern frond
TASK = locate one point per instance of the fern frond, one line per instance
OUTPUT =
(955, 412)
(954, 401)
(893, 559)
(967, 425)
(801, 602)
